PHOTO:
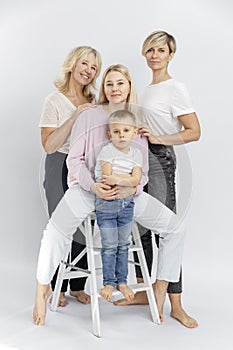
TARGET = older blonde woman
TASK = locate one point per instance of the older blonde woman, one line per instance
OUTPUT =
(75, 93)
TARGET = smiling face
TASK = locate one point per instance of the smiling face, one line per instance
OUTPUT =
(121, 132)
(85, 70)
(116, 87)
(157, 57)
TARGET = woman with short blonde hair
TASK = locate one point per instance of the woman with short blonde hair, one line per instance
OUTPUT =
(169, 119)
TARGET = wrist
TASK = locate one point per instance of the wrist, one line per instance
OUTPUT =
(93, 187)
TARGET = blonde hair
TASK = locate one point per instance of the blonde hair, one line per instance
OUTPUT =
(122, 115)
(132, 97)
(78, 53)
(156, 38)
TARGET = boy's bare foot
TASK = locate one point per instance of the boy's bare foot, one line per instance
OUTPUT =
(126, 291)
(179, 313)
(81, 296)
(106, 292)
(43, 291)
(140, 298)
(160, 289)
(62, 300)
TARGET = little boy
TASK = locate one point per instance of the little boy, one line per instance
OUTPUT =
(118, 164)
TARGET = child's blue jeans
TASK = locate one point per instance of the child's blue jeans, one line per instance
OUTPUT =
(114, 219)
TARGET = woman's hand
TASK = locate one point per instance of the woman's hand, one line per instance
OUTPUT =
(146, 131)
(82, 108)
(104, 191)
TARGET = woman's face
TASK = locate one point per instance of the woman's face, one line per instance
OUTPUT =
(85, 69)
(116, 87)
(157, 57)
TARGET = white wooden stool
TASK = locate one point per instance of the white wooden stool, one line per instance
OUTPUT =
(65, 272)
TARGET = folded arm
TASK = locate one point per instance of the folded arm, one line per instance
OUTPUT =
(130, 180)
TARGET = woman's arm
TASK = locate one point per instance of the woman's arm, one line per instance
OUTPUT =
(191, 132)
(53, 138)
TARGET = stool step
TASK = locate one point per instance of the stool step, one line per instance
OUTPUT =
(135, 248)
(75, 274)
(138, 287)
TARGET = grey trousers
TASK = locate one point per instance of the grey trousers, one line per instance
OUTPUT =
(55, 184)
(161, 185)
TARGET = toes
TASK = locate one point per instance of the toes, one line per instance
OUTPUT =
(62, 302)
(39, 320)
(121, 302)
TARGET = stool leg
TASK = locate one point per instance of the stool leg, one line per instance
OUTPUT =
(145, 275)
(59, 281)
(93, 283)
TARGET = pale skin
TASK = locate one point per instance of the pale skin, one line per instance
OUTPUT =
(121, 135)
(158, 57)
(52, 139)
(117, 90)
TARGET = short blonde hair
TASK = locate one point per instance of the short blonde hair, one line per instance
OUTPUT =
(156, 38)
(132, 98)
(122, 115)
(78, 53)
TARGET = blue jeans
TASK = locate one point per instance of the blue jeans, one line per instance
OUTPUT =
(114, 219)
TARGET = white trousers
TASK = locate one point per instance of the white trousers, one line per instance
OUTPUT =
(77, 204)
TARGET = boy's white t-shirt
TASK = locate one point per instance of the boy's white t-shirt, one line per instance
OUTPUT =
(56, 111)
(162, 103)
(122, 163)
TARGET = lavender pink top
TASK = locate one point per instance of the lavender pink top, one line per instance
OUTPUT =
(88, 136)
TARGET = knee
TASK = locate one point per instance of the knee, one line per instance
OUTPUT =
(52, 233)
(109, 250)
(109, 244)
(122, 248)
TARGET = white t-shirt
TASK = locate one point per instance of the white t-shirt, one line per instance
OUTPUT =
(162, 103)
(56, 111)
(122, 163)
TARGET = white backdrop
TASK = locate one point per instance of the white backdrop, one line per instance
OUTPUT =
(35, 39)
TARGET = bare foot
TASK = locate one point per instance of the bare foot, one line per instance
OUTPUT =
(126, 291)
(179, 313)
(140, 298)
(43, 291)
(160, 289)
(81, 296)
(62, 300)
(184, 318)
(106, 292)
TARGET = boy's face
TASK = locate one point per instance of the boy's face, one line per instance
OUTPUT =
(122, 133)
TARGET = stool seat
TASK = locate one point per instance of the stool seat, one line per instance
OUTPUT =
(69, 271)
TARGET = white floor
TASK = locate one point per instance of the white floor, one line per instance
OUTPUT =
(121, 327)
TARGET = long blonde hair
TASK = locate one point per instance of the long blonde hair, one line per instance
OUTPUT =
(78, 53)
(132, 97)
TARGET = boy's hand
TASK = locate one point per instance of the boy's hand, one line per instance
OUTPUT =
(116, 179)
(110, 179)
